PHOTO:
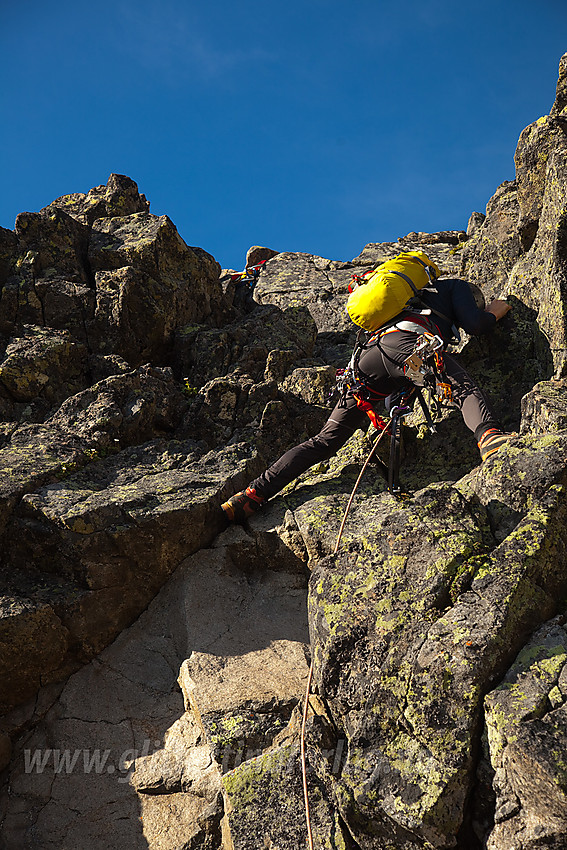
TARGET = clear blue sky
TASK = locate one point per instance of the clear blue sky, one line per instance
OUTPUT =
(305, 125)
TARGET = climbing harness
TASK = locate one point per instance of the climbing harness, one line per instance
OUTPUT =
(351, 380)
(424, 370)
(248, 277)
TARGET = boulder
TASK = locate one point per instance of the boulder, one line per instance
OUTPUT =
(538, 278)
(52, 243)
(148, 283)
(43, 364)
(544, 409)
(67, 305)
(537, 142)
(313, 384)
(19, 305)
(535, 146)
(245, 345)
(533, 467)
(119, 197)
(45, 248)
(33, 455)
(560, 103)
(34, 643)
(257, 254)
(260, 691)
(124, 410)
(102, 267)
(271, 416)
(303, 280)
(116, 413)
(526, 726)
(264, 801)
(475, 221)
(444, 248)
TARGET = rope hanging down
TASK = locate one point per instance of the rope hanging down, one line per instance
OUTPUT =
(355, 488)
(303, 766)
(427, 345)
(310, 675)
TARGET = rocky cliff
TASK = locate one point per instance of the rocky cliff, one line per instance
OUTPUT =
(154, 661)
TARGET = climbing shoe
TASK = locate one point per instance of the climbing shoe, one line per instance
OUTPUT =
(491, 441)
(242, 505)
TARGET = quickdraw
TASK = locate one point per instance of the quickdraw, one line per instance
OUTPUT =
(425, 368)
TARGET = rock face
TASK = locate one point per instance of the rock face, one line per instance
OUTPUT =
(433, 606)
(525, 717)
(138, 770)
(154, 662)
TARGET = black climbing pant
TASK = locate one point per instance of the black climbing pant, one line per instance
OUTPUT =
(382, 367)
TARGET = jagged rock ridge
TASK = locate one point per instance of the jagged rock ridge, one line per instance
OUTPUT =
(136, 390)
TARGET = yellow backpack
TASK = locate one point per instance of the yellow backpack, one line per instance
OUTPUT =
(382, 293)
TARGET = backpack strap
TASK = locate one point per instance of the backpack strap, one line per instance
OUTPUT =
(454, 329)
(425, 266)
(406, 278)
(413, 327)
(404, 325)
(417, 294)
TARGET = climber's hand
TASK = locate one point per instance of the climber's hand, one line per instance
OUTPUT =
(498, 308)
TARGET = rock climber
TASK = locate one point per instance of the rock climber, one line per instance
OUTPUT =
(452, 306)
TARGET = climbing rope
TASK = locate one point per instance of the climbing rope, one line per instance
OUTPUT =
(303, 767)
(310, 675)
(347, 381)
(354, 489)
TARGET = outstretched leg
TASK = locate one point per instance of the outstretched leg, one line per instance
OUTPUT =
(340, 426)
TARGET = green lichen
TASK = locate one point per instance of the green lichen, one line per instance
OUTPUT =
(227, 728)
(243, 784)
(80, 525)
